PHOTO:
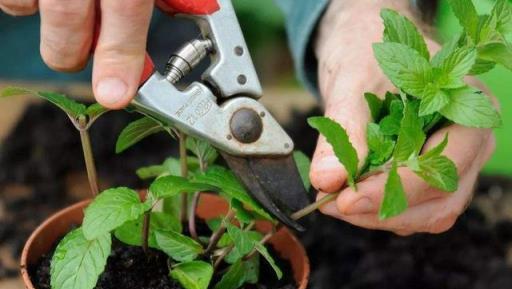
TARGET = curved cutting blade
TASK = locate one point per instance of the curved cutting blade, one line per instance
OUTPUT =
(274, 182)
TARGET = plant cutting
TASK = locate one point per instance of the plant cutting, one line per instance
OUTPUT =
(431, 93)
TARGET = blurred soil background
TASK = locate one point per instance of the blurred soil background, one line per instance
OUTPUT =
(41, 170)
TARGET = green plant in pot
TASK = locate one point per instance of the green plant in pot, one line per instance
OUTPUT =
(431, 94)
(163, 218)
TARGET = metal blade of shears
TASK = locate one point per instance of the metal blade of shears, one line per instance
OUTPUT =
(274, 182)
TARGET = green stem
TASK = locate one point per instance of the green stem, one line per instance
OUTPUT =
(218, 234)
(193, 205)
(192, 216)
(88, 156)
(331, 197)
(184, 173)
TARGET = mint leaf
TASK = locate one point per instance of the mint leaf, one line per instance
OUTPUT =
(395, 201)
(242, 241)
(178, 246)
(94, 111)
(71, 107)
(411, 136)
(137, 131)
(193, 275)
(404, 66)
(439, 172)
(374, 104)
(448, 48)
(234, 278)
(239, 273)
(169, 186)
(338, 138)
(438, 149)
(131, 232)
(390, 124)
(111, 209)
(468, 18)
(497, 52)
(502, 11)
(456, 66)
(202, 150)
(252, 269)
(433, 100)
(77, 262)
(399, 29)
(171, 166)
(242, 215)
(481, 66)
(237, 254)
(380, 146)
(264, 252)
(472, 108)
(230, 188)
(303, 165)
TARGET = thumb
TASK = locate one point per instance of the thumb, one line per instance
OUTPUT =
(350, 110)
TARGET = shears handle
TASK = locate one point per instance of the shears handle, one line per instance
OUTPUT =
(172, 7)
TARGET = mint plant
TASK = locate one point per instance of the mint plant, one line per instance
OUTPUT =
(81, 116)
(158, 219)
(432, 93)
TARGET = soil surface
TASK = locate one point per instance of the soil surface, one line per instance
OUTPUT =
(128, 267)
(41, 170)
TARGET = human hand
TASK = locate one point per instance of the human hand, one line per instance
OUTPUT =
(347, 69)
(67, 29)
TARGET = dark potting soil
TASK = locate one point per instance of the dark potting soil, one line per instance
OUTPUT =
(475, 254)
(128, 267)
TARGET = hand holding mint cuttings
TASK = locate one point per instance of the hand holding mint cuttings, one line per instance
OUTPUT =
(431, 93)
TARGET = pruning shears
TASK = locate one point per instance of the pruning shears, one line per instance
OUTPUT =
(223, 109)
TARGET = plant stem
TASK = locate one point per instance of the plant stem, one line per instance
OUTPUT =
(314, 206)
(220, 231)
(193, 205)
(184, 173)
(192, 216)
(145, 231)
(88, 156)
(330, 197)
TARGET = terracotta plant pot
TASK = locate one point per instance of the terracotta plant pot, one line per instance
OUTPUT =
(210, 206)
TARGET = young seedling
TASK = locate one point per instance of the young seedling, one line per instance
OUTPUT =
(80, 115)
(194, 258)
(432, 93)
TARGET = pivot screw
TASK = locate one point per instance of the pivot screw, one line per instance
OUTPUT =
(246, 125)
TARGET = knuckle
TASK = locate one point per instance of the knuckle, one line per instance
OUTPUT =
(57, 56)
(70, 12)
(131, 8)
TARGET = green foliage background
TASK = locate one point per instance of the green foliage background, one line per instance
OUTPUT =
(498, 80)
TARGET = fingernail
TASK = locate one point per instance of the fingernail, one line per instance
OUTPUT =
(362, 206)
(110, 90)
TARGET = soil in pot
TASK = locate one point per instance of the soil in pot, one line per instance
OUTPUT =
(128, 267)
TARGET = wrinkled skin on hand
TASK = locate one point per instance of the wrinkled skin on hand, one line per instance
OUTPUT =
(348, 69)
